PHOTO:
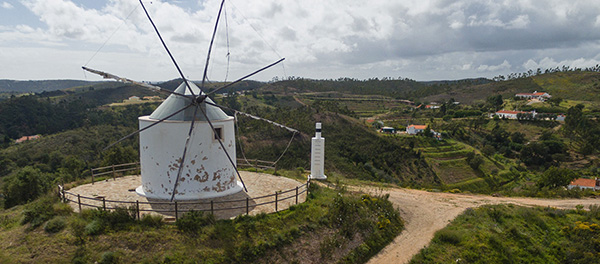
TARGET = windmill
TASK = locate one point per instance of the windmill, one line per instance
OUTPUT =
(187, 148)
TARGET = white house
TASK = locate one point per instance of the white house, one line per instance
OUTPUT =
(511, 114)
(415, 129)
(542, 96)
(592, 184)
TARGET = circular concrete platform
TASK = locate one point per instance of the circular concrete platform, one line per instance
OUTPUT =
(260, 197)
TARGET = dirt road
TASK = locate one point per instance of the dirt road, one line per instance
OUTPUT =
(426, 212)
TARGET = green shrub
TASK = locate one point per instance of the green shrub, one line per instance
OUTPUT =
(150, 220)
(24, 186)
(55, 224)
(449, 236)
(329, 244)
(63, 209)
(108, 257)
(193, 221)
(78, 228)
(95, 227)
(39, 211)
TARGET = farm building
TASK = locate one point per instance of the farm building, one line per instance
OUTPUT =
(592, 184)
(511, 114)
(388, 130)
(415, 129)
(542, 96)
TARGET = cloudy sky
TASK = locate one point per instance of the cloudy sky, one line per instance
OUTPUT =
(417, 39)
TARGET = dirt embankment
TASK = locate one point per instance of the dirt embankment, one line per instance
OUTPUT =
(425, 213)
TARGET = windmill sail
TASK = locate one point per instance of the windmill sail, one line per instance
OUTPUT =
(201, 166)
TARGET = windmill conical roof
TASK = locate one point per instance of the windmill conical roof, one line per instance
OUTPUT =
(174, 103)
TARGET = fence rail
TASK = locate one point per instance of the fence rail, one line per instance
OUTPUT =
(230, 207)
(114, 170)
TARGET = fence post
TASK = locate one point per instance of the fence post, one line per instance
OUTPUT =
(137, 208)
(176, 211)
(276, 202)
(296, 194)
(104, 203)
(212, 208)
(247, 206)
(79, 202)
(64, 198)
(92, 173)
(113, 172)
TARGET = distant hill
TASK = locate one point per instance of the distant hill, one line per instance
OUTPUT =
(243, 85)
(573, 85)
(40, 86)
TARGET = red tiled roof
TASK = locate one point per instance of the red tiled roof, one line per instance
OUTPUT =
(418, 126)
(584, 182)
(25, 138)
(539, 93)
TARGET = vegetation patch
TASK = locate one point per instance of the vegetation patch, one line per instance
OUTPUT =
(514, 234)
(351, 227)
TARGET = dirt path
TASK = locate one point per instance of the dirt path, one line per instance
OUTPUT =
(426, 212)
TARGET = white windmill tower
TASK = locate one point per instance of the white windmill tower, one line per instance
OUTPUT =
(190, 151)
(207, 172)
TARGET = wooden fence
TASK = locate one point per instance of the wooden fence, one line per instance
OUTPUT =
(114, 170)
(178, 207)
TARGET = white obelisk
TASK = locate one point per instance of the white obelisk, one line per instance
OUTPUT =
(317, 156)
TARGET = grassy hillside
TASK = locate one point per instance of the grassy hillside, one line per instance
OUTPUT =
(332, 226)
(574, 85)
(513, 234)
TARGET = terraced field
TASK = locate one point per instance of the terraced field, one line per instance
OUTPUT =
(449, 162)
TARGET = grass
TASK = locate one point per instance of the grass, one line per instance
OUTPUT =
(357, 226)
(513, 234)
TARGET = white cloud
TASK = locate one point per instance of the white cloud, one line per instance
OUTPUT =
(505, 65)
(423, 39)
(550, 63)
(7, 5)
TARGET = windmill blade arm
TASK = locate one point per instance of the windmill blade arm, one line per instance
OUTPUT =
(254, 117)
(212, 40)
(247, 76)
(185, 149)
(167, 49)
(224, 149)
(153, 124)
(107, 75)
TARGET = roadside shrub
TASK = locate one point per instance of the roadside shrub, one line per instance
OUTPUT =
(55, 224)
(193, 221)
(449, 236)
